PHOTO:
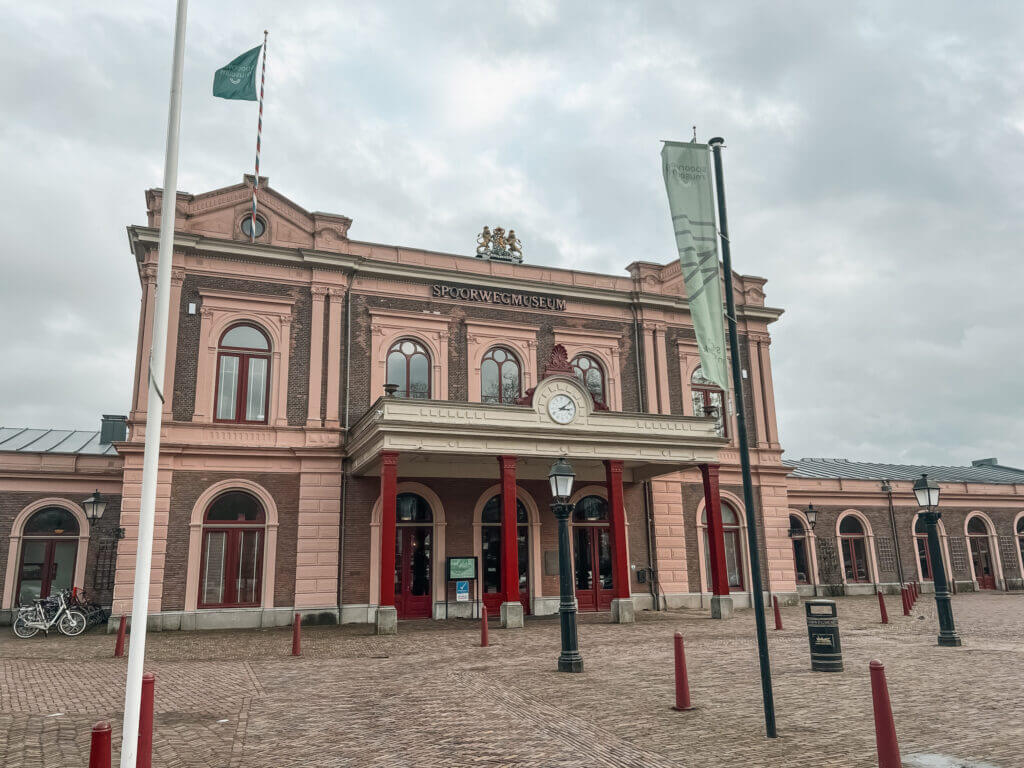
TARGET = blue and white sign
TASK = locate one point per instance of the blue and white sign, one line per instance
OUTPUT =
(462, 591)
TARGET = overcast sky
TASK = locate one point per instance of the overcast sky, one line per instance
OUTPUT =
(874, 174)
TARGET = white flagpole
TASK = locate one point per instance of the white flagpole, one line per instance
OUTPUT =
(154, 408)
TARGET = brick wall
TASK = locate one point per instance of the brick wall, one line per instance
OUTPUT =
(186, 487)
(99, 584)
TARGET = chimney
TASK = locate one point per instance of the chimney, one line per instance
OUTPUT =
(113, 429)
(985, 463)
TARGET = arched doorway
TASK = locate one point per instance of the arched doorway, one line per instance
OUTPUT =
(490, 547)
(801, 551)
(853, 542)
(49, 551)
(414, 551)
(733, 548)
(592, 550)
(980, 537)
(924, 553)
(234, 532)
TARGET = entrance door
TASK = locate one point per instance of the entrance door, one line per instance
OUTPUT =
(984, 570)
(413, 572)
(593, 551)
(47, 566)
(490, 548)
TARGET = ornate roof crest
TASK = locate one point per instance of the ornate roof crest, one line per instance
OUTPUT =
(499, 246)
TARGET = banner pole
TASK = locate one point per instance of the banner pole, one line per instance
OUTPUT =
(259, 139)
(741, 437)
(154, 407)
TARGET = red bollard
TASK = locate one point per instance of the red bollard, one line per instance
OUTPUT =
(99, 748)
(682, 682)
(778, 616)
(145, 753)
(119, 645)
(906, 601)
(297, 635)
(484, 639)
(881, 608)
(885, 728)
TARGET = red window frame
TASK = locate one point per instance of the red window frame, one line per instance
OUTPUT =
(233, 531)
(510, 358)
(396, 348)
(580, 374)
(244, 354)
(799, 533)
(925, 562)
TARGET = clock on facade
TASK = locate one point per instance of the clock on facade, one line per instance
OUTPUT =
(562, 409)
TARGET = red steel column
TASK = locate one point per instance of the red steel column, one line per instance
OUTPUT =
(509, 531)
(620, 557)
(716, 541)
(388, 496)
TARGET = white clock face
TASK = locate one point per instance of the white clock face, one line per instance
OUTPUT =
(562, 409)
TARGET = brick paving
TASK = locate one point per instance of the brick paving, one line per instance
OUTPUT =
(431, 697)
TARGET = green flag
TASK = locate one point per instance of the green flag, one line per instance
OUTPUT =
(237, 80)
(688, 182)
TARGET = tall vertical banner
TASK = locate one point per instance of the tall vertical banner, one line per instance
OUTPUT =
(686, 167)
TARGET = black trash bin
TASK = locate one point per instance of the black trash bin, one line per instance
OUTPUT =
(823, 634)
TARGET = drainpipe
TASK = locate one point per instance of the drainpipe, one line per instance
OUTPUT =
(648, 493)
(344, 471)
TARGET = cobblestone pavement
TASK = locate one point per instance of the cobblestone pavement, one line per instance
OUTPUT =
(431, 697)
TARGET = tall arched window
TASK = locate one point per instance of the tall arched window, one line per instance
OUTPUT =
(592, 548)
(49, 550)
(979, 536)
(733, 547)
(409, 369)
(924, 556)
(414, 554)
(243, 373)
(232, 564)
(590, 372)
(500, 377)
(707, 395)
(1020, 542)
(801, 555)
(854, 543)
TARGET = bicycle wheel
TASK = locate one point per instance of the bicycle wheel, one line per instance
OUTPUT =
(23, 629)
(72, 623)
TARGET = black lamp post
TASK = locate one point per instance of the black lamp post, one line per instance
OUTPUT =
(927, 493)
(561, 478)
(94, 507)
(812, 515)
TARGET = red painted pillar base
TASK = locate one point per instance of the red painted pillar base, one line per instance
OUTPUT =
(145, 753)
(682, 681)
(297, 635)
(122, 627)
(881, 608)
(885, 728)
(99, 747)
(484, 638)
(906, 601)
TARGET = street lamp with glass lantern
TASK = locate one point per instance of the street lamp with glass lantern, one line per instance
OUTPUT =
(812, 515)
(927, 493)
(94, 507)
(561, 478)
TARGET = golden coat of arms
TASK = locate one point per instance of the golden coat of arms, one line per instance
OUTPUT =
(499, 245)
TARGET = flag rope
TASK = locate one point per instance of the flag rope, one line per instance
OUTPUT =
(259, 139)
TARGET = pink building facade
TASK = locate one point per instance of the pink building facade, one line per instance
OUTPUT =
(343, 417)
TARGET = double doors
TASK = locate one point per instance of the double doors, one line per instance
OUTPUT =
(592, 549)
(47, 566)
(493, 594)
(984, 565)
(414, 571)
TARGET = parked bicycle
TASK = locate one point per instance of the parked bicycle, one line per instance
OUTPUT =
(58, 610)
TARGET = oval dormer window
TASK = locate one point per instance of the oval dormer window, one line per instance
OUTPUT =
(246, 225)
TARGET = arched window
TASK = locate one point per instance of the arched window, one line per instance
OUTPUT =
(412, 508)
(243, 375)
(979, 536)
(591, 509)
(1020, 541)
(589, 371)
(707, 395)
(500, 377)
(49, 551)
(232, 564)
(924, 555)
(733, 547)
(801, 556)
(409, 369)
(854, 544)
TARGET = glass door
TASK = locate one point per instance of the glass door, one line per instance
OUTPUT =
(982, 557)
(47, 566)
(593, 567)
(413, 593)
